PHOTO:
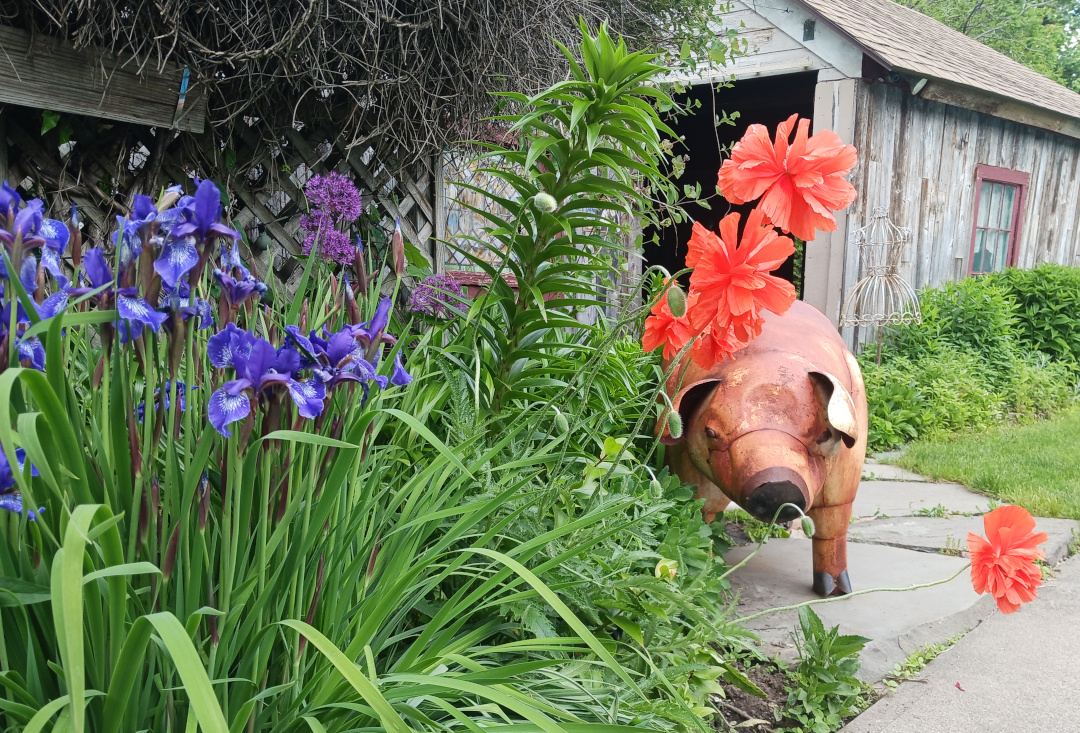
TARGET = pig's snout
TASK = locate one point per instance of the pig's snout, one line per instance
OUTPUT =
(771, 468)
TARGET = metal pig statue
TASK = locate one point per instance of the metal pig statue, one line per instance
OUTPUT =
(784, 422)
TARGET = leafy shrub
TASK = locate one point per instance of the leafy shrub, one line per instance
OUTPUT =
(974, 314)
(824, 689)
(1048, 307)
(977, 358)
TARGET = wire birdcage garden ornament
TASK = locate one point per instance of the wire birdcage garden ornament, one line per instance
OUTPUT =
(882, 297)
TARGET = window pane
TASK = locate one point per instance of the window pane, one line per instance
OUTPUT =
(977, 255)
(995, 204)
(1006, 220)
(984, 204)
(1002, 258)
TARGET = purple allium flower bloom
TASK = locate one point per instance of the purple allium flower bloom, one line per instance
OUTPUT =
(178, 257)
(333, 245)
(335, 194)
(437, 295)
(201, 216)
(335, 203)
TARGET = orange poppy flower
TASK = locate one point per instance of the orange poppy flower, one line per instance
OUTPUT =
(800, 183)
(1003, 564)
(717, 343)
(663, 328)
(731, 282)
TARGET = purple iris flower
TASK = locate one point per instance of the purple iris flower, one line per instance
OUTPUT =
(33, 351)
(201, 218)
(400, 377)
(131, 307)
(10, 498)
(179, 299)
(56, 235)
(55, 303)
(341, 358)
(259, 368)
(143, 210)
(97, 272)
(181, 398)
(127, 241)
(9, 201)
(27, 272)
(178, 257)
(238, 290)
(240, 287)
(26, 223)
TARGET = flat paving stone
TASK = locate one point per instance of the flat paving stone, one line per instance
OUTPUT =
(906, 498)
(1013, 673)
(885, 472)
(930, 534)
(897, 623)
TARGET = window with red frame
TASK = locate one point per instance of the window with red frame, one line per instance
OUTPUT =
(999, 209)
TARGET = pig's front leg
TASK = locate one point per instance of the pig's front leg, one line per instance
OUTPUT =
(830, 549)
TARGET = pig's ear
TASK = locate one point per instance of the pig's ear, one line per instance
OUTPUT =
(686, 402)
(838, 406)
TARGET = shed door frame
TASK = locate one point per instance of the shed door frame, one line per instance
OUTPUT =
(1009, 177)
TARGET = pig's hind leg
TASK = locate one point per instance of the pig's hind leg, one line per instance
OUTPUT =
(830, 549)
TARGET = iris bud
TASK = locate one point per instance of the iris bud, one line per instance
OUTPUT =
(545, 202)
(676, 300)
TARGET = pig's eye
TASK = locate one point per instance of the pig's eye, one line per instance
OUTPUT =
(711, 433)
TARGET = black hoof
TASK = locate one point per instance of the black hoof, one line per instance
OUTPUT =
(826, 585)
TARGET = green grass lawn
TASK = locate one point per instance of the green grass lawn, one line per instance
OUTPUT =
(1035, 466)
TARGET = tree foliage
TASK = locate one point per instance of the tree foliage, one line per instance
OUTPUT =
(1036, 33)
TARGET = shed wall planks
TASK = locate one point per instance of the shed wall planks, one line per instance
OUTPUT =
(919, 158)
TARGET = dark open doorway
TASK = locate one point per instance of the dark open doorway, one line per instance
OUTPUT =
(767, 101)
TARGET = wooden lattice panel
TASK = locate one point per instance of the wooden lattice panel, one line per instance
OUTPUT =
(262, 178)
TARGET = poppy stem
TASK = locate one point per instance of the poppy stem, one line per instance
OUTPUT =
(818, 601)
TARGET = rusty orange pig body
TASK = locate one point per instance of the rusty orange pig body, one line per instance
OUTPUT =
(784, 422)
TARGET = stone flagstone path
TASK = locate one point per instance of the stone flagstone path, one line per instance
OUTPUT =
(907, 530)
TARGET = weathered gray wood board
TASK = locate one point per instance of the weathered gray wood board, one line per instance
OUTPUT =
(48, 73)
(919, 158)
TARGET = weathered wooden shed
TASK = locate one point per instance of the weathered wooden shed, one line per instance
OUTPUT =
(974, 152)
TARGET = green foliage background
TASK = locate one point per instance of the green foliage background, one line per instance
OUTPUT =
(1040, 34)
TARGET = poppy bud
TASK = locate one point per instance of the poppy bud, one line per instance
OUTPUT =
(545, 203)
(676, 300)
(675, 425)
(397, 248)
(807, 526)
(561, 422)
(655, 489)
